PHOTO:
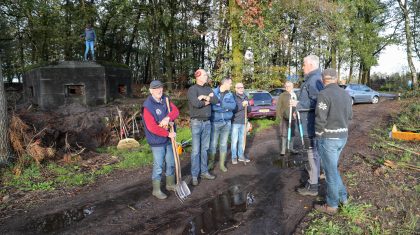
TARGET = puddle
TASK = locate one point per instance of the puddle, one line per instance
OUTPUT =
(289, 162)
(221, 213)
(59, 220)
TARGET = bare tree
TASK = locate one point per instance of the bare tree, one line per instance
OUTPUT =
(5, 150)
(409, 40)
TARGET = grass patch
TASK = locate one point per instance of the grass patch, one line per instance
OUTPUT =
(31, 179)
(262, 124)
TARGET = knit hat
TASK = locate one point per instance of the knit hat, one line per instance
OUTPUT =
(329, 74)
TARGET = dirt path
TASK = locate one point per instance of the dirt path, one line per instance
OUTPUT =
(122, 203)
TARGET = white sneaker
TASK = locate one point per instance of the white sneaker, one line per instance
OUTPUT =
(241, 159)
(234, 161)
(247, 160)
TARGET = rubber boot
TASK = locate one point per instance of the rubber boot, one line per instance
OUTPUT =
(283, 146)
(156, 190)
(210, 166)
(222, 162)
(170, 183)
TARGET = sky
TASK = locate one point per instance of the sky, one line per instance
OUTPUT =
(393, 59)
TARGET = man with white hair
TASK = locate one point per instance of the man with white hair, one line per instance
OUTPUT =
(238, 125)
(305, 105)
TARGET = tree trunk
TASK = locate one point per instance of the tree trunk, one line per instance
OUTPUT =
(409, 42)
(237, 50)
(351, 66)
(5, 150)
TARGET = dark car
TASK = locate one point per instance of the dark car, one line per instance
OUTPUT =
(275, 93)
(262, 104)
(361, 93)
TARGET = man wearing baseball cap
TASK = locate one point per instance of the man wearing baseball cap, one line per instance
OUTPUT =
(156, 118)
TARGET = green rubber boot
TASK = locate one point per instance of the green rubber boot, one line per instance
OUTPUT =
(170, 183)
(210, 166)
(222, 162)
(156, 190)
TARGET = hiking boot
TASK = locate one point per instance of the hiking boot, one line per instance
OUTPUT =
(326, 209)
(222, 162)
(207, 176)
(212, 158)
(234, 161)
(156, 190)
(308, 190)
(194, 181)
(170, 183)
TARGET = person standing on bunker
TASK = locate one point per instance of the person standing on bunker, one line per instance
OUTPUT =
(90, 39)
(156, 117)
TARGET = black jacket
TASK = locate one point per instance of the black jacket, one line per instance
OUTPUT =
(198, 109)
(239, 111)
(333, 112)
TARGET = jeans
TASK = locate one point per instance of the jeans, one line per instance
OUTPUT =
(237, 141)
(219, 129)
(200, 144)
(162, 154)
(330, 150)
(90, 44)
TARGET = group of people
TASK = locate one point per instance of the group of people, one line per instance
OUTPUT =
(325, 110)
(215, 114)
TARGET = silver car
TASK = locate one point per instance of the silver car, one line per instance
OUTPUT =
(361, 93)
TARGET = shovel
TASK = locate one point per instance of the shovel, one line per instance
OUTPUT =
(246, 129)
(300, 129)
(289, 129)
(181, 188)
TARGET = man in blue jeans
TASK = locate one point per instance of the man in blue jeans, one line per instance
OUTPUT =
(156, 117)
(200, 98)
(90, 38)
(221, 121)
(333, 113)
(238, 125)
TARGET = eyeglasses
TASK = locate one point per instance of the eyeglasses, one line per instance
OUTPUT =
(240, 87)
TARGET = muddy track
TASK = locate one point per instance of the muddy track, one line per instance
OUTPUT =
(122, 203)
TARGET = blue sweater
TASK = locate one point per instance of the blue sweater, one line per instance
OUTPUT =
(223, 110)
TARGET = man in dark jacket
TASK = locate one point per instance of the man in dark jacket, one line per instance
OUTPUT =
(238, 125)
(305, 105)
(221, 121)
(200, 98)
(332, 116)
(156, 117)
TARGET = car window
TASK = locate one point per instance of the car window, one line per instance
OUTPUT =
(261, 96)
(275, 92)
(355, 87)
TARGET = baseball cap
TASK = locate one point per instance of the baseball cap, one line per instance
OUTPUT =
(155, 84)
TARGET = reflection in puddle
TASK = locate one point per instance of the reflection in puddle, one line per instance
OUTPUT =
(289, 162)
(59, 220)
(219, 213)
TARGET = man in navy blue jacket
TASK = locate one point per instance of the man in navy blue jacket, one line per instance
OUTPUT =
(305, 105)
(156, 117)
(221, 121)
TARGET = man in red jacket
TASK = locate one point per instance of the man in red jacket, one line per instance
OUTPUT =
(156, 117)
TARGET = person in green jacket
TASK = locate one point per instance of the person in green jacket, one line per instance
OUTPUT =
(282, 115)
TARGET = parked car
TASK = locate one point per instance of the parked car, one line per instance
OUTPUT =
(361, 93)
(262, 104)
(275, 93)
